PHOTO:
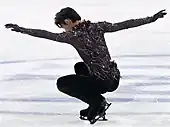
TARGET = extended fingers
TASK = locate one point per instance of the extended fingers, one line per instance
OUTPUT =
(8, 25)
(162, 12)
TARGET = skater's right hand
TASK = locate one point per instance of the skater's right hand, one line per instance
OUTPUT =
(14, 27)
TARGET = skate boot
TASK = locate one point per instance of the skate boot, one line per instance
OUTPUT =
(84, 113)
(98, 111)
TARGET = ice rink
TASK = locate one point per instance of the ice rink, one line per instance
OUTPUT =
(29, 67)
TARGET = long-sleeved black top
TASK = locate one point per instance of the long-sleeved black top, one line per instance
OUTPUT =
(88, 39)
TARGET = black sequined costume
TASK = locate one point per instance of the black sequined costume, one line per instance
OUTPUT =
(88, 39)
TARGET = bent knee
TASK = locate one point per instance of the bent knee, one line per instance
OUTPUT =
(60, 83)
(63, 83)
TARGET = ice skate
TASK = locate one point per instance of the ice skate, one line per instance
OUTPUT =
(98, 112)
(84, 113)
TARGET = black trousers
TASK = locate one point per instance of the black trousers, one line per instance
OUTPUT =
(84, 86)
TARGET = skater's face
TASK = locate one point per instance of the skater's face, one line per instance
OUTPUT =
(68, 25)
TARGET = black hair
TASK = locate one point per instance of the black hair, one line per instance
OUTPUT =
(66, 13)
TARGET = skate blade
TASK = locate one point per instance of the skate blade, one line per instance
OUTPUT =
(101, 119)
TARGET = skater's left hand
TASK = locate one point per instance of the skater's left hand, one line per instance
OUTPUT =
(160, 14)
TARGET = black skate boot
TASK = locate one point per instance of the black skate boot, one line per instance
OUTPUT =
(98, 111)
(84, 113)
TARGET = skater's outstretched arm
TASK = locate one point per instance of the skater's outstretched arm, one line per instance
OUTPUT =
(60, 37)
(112, 27)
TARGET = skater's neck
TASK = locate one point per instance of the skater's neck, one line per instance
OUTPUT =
(73, 25)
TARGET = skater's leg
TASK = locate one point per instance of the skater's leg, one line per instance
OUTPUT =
(66, 86)
(84, 88)
(79, 86)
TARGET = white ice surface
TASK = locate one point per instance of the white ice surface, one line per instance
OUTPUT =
(29, 67)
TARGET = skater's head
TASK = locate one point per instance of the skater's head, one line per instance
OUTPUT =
(67, 18)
